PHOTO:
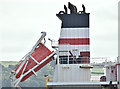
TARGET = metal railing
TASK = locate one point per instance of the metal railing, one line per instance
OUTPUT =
(70, 60)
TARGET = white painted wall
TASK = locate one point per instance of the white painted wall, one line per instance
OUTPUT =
(74, 33)
(118, 72)
(109, 75)
(71, 73)
(78, 48)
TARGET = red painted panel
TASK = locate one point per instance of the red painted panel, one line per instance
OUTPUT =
(75, 41)
(85, 59)
(85, 56)
(85, 53)
(20, 72)
(36, 69)
(39, 54)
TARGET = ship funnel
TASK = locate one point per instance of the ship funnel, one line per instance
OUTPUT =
(74, 36)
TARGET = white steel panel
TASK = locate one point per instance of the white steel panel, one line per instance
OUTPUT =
(80, 83)
(71, 73)
(118, 72)
(74, 33)
(1, 76)
(110, 76)
(75, 49)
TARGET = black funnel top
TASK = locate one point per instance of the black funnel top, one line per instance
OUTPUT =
(74, 19)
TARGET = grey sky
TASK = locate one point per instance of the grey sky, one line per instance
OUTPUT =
(21, 22)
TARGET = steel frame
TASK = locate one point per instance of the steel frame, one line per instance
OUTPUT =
(14, 81)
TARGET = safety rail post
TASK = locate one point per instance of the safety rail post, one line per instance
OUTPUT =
(58, 63)
(68, 57)
(118, 69)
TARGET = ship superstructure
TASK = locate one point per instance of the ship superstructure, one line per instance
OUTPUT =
(74, 46)
(72, 61)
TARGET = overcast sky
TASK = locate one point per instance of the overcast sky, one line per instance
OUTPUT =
(21, 22)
